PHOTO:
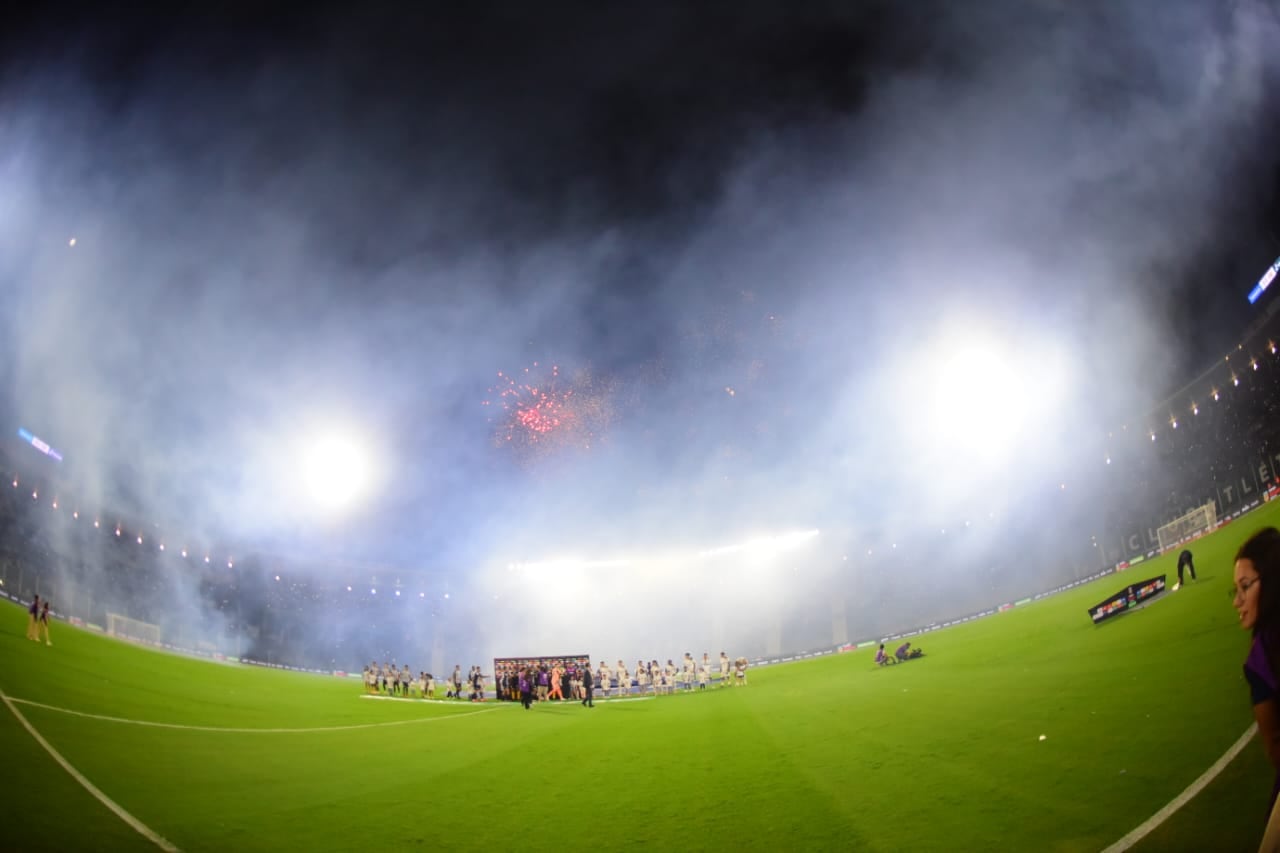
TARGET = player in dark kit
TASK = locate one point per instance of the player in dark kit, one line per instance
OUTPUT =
(587, 684)
(33, 623)
(1184, 562)
(43, 627)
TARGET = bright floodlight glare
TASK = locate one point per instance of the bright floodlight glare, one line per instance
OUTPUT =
(336, 471)
(977, 398)
(985, 394)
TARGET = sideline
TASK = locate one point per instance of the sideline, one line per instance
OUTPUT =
(8, 700)
(135, 824)
(1182, 799)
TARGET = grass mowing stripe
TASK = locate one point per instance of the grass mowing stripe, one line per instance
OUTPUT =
(1182, 799)
(230, 730)
(137, 825)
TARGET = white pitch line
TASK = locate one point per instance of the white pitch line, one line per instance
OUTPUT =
(119, 811)
(1182, 799)
(229, 730)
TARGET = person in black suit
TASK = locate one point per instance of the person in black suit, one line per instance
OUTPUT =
(1184, 562)
(587, 685)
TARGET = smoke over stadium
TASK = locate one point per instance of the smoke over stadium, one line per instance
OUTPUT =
(839, 327)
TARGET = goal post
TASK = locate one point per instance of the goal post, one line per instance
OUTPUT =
(1195, 522)
(122, 626)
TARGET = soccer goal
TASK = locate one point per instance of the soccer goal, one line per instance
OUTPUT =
(132, 629)
(1179, 530)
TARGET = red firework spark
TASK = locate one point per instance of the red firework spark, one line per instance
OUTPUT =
(534, 406)
(542, 410)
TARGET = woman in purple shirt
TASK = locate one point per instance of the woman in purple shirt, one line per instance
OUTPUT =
(1257, 601)
(526, 688)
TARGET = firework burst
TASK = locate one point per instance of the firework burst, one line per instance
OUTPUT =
(540, 410)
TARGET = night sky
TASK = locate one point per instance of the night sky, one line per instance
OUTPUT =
(723, 240)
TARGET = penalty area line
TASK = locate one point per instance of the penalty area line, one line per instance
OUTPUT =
(118, 810)
(1182, 799)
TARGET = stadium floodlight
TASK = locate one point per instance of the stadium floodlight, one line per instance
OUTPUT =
(184, 552)
(569, 564)
(336, 469)
(763, 546)
(1235, 380)
(55, 504)
(982, 395)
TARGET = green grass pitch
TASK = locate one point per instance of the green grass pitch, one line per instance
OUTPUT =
(827, 754)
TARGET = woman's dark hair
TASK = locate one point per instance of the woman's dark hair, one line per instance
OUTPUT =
(1263, 550)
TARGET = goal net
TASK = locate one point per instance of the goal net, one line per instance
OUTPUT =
(1181, 529)
(132, 629)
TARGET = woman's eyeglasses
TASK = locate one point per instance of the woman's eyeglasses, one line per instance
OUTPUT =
(1239, 591)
